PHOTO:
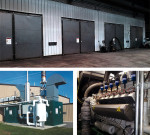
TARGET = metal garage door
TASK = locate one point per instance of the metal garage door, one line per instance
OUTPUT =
(78, 36)
(136, 36)
(28, 36)
(109, 33)
(114, 31)
(120, 36)
(6, 48)
(87, 36)
(71, 43)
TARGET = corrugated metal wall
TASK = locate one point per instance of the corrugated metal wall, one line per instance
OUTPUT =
(68, 110)
(8, 91)
(1, 114)
(52, 13)
(63, 100)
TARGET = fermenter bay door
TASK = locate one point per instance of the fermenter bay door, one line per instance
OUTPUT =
(110, 33)
(6, 42)
(136, 36)
(87, 29)
(28, 36)
(120, 36)
(71, 36)
(114, 31)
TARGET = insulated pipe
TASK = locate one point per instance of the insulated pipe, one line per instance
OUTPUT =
(86, 117)
(106, 76)
(137, 103)
(90, 88)
(141, 101)
(19, 112)
(104, 127)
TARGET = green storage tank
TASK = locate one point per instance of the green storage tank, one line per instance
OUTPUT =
(55, 113)
(11, 114)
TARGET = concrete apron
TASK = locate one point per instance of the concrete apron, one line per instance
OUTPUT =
(40, 128)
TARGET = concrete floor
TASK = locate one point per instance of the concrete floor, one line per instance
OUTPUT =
(126, 58)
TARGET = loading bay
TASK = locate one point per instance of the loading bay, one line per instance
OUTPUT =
(126, 58)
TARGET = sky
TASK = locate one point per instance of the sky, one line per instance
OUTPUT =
(20, 77)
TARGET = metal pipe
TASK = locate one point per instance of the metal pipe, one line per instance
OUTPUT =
(95, 85)
(141, 101)
(14, 104)
(19, 112)
(27, 77)
(137, 103)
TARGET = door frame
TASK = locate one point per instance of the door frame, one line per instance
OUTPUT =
(63, 18)
(13, 29)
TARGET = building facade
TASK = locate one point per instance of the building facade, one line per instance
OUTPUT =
(49, 17)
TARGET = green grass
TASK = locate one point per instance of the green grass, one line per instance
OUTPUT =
(11, 130)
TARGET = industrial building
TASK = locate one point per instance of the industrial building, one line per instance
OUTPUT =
(8, 90)
(113, 103)
(36, 28)
(35, 106)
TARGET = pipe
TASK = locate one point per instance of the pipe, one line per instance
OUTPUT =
(146, 123)
(90, 88)
(27, 89)
(46, 101)
(86, 117)
(137, 103)
(104, 127)
(29, 123)
(43, 77)
(106, 76)
(13, 104)
(27, 76)
(141, 101)
(19, 112)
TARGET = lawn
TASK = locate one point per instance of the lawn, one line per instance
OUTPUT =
(11, 130)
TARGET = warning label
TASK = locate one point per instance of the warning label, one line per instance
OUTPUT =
(118, 109)
(8, 41)
(77, 40)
